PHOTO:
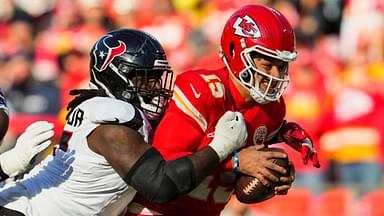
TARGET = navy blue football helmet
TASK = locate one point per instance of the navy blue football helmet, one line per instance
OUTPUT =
(131, 65)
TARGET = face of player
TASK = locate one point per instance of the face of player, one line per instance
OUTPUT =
(268, 66)
(150, 100)
(149, 83)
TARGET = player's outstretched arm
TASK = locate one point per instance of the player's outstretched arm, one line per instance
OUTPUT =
(142, 166)
(35, 139)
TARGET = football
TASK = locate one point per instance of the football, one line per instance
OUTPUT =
(249, 189)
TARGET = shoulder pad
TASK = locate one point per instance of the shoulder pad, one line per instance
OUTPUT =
(105, 110)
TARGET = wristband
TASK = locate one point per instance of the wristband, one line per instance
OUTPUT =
(236, 161)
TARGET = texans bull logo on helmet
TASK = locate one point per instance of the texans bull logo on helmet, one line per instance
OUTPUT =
(107, 50)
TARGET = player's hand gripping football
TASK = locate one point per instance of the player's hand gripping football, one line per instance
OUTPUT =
(230, 134)
(286, 181)
(35, 139)
(257, 163)
(295, 136)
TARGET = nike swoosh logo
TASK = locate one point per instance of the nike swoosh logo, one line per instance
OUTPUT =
(197, 95)
(115, 121)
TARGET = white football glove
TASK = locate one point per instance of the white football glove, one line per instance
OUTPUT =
(35, 139)
(230, 134)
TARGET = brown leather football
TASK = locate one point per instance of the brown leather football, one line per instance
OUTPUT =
(249, 189)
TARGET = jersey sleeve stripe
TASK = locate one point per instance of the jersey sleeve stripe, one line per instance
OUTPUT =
(186, 106)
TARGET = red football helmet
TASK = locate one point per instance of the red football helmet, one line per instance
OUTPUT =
(264, 30)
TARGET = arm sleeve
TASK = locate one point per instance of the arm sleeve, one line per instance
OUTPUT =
(181, 131)
(162, 181)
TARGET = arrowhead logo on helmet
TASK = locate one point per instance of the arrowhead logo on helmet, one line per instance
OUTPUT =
(246, 27)
(110, 51)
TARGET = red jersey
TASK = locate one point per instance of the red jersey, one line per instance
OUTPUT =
(199, 99)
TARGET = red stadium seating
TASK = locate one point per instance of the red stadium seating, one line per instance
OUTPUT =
(334, 202)
(372, 203)
(296, 203)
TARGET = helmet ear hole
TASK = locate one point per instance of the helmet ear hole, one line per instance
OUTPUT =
(126, 70)
(232, 49)
(245, 76)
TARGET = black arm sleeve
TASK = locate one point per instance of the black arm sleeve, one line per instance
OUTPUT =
(162, 181)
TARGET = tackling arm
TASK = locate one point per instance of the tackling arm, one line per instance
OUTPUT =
(142, 167)
(161, 181)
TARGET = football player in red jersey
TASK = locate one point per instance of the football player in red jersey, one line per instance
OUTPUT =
(257, 45)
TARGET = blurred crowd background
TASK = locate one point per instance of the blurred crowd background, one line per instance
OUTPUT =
(336, 90)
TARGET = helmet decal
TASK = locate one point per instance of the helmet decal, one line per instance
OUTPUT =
(246, 27)
(107, 51)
